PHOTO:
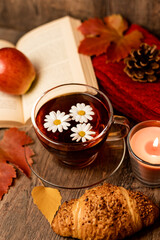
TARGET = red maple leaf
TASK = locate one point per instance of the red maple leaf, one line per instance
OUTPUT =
(108, 37)
(12, 151)
(7, 173)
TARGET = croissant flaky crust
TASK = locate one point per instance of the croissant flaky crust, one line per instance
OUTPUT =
(105, 212)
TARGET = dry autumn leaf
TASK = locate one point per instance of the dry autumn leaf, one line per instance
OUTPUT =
(7, 173)
(47, 200)
(12, 151)
(108, 37)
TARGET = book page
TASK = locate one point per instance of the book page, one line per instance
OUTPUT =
(86, 62)
(53, 51)
(4, 43)
(10, 110)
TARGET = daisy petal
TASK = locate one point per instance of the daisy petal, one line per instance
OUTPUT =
(74, 129)
(88, 108)
(81, 112)
(60, 128)
(83, 106)
(77, 118)
(54, 129)
(52, 115)
(46, 125)
(83, 139)
(89, 137)
(87, 127)
(73, 134)
(65, 125)
(49, 129)
(90, 113)
(78, 105)
(91, 132)
(79, 127)
(78, 139)
(82, 132)
(56, 121)
(66, 118)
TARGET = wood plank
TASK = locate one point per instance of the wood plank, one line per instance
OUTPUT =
(21, 219)
(10, 35)
(145, 12)
(26, 15)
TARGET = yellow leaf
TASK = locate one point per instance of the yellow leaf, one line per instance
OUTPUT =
(47, 200)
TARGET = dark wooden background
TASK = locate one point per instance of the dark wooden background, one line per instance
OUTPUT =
(26, 14)
(19, 217)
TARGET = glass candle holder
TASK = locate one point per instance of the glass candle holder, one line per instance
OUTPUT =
(143, 143)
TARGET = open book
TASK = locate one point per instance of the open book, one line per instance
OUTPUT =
(52, 48)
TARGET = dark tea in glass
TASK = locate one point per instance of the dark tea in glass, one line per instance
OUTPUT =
(72, 121)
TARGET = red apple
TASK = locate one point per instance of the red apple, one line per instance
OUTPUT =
(16, 71)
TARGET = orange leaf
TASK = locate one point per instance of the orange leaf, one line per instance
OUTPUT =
(120, 49)
(88, 45)
(7, 173)
(93, 26)
(107, 37)
(12, 150)
(117, 22)
(97, 37)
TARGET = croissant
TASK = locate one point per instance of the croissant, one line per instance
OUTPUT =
(105, 212)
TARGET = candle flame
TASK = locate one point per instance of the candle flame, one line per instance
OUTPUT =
(155, 143)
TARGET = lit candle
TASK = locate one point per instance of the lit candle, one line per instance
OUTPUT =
(145, 144)
(153, 148)
(144, 148)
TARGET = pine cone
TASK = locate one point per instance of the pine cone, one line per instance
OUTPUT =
(143, 65)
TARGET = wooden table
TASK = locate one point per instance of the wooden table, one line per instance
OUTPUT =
(20, 217)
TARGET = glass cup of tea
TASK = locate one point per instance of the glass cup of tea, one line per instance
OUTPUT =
(73, 121)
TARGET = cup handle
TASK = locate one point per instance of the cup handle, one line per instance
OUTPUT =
(119, 129)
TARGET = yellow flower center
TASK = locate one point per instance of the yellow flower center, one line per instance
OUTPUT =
(57, 122)
(81, 112)
(81, 133)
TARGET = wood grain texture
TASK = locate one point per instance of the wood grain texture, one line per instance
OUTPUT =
(19, 217)
(25, 15)
(145, 12)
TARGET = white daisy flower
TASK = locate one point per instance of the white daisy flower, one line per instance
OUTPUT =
(81, 112)
(57, 121)
(82, 132)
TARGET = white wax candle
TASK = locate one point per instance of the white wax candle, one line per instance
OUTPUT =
(142, 144)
